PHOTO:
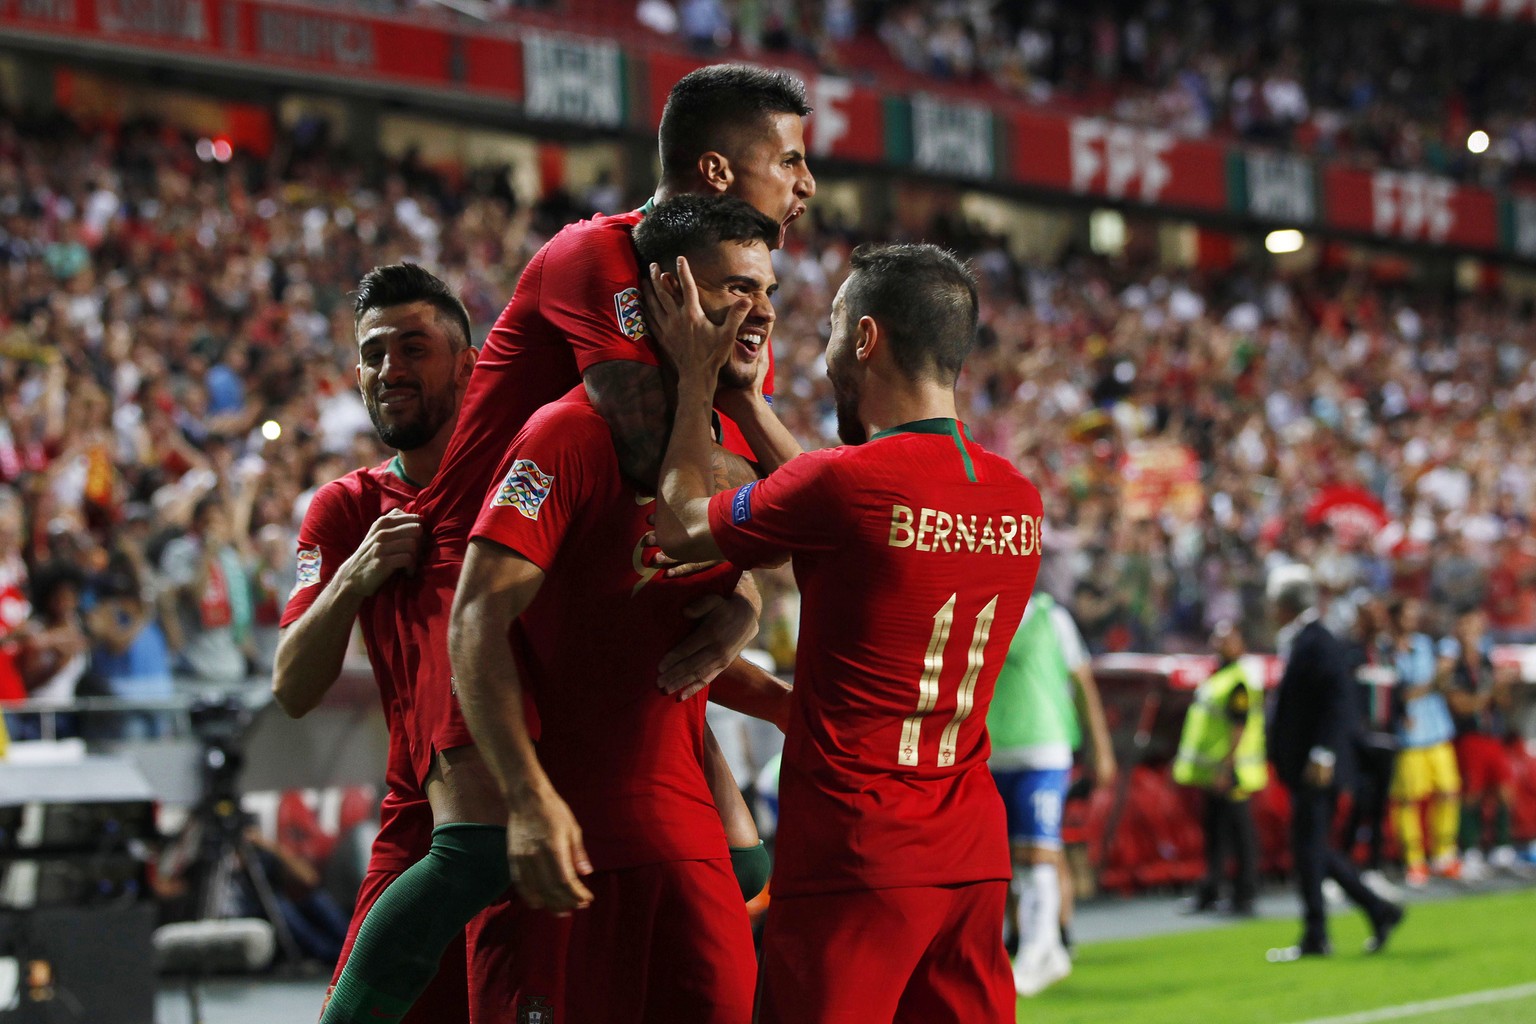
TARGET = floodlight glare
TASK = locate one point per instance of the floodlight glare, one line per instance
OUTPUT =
(1285, 240)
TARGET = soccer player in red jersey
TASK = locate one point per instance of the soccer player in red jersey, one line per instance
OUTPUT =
(574, 320)
(414, 363)
(612, 816)
(915, 550)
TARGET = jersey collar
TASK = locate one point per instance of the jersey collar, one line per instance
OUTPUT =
(937, 425)
(943, 426)
(650, 204)
(398, 468)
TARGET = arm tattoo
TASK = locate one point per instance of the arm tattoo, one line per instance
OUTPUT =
(633, 399)
(731, 470)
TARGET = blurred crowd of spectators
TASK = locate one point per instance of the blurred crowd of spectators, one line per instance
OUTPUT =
(1394, 86)
(177, 377)
(1190, 434)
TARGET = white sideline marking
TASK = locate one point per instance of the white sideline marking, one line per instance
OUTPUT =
(1491, 995)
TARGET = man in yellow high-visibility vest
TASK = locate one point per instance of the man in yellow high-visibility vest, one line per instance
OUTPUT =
(1222, 752)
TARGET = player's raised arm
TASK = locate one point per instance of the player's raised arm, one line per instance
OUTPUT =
(311, 649)
(698, 349)
(544, 845)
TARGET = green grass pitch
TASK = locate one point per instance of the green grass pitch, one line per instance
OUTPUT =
(1220, 976)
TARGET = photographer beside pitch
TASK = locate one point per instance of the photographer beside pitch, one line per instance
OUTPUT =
(915, 550)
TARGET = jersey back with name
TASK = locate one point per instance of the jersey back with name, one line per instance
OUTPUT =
(915, 555)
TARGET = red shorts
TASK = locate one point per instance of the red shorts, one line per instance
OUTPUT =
(662, 942)
(516, 964)
(423, 674)
(1484, 763)
(919, 954)
(447, 996)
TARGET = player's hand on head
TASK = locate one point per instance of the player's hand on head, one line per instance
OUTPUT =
(676, 318)
(392, 544)
(725, 626)
(545, 855)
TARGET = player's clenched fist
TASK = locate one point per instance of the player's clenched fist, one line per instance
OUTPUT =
(545, 854)
(392, 544)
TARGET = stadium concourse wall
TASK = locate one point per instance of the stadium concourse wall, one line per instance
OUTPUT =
(537, 71)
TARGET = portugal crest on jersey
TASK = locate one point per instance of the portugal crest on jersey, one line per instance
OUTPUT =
(525, 488)
(309, 568)
(626, 304)
(535, 1010)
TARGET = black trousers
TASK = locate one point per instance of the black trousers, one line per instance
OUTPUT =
(1229, 832)
(1368, 813)
(1312, 811)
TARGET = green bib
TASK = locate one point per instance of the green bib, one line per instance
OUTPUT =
(1033, 705)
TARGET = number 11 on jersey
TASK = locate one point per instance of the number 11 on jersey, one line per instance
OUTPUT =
(928, 685)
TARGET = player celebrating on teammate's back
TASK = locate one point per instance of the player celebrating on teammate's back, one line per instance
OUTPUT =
(575, 319)
(615, 792)
(915, 550)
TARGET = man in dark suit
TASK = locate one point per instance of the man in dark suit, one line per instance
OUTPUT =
(1311, 741)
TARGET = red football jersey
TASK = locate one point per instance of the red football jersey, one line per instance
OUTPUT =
(335, 524)
(915, 555)
(577, 304)
(627, 758)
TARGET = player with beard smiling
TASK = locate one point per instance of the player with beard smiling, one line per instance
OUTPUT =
(915, 550)
(414, 361)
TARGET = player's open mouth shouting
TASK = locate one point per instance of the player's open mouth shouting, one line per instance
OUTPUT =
(795, 213)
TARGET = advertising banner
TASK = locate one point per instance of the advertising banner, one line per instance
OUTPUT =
(1410, 207)
(1275, 187)
(284, 36)
(1092, 156)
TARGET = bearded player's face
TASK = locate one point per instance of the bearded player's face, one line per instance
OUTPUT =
(408, 368)
(844, 373)
(725, 274)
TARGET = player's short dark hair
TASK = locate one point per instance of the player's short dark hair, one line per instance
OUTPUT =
(402, 283)
(708, 108)
(687, 223)
(923, 298)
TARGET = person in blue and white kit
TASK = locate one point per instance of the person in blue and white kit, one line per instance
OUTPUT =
(1045, 689)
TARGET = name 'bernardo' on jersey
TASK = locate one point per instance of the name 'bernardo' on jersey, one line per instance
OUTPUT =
(931, 529)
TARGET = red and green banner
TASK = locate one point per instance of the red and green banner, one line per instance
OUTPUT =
(280, 36)
(1094, 157)
(1408, 206)
(606, 84)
